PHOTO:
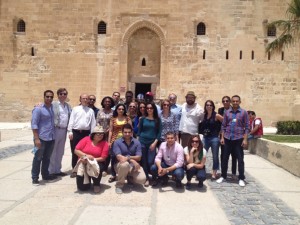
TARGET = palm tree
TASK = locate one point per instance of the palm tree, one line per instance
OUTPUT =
(290, 29)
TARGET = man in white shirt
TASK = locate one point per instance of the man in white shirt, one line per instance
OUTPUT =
(82, 122)
(62, 111)
(191, 115)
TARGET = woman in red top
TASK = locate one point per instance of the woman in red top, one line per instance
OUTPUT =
(92, 147)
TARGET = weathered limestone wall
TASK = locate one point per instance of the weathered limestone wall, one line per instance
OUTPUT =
(69, 52)
(281, 155)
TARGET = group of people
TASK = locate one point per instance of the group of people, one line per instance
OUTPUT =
(142, 142)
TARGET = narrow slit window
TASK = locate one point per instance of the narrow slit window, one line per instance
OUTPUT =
(143, 62)
(252, 55)
(204, 54)
(201, 29)
(271, 31)
(269, 55)
(21, 27)
(282, 55)
(241, 54)
(101, 27)
(227, 54)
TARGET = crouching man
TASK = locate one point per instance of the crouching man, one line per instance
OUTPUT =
(128, 152)
(169, 161)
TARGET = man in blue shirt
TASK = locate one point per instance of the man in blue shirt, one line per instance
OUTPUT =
(128, 152)
(42, 125)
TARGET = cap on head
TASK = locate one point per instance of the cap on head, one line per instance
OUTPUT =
(149, 93)
(191, 93)
(98, 129)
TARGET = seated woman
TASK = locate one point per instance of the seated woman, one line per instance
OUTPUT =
(92, 148)
(195, 157)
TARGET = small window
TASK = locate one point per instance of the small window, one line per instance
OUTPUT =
(252, 55)
(204, 54)
(271, 31)
(21, 26)
(201, 29)
(241, 54)
(143, 62)
(101, 27)
(227, 54)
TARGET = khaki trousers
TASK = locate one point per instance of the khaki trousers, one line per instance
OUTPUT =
(125, 169)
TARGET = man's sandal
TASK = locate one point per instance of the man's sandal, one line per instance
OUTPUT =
(111, 179)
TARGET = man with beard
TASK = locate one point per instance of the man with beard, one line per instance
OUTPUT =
(191, 115)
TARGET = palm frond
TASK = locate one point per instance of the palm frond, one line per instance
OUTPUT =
(280, 43)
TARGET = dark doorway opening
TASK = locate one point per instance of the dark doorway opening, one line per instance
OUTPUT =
(141, 88)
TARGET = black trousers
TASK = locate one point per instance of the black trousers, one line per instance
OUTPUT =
(77, 136)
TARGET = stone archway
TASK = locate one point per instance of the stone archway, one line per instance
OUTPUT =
(141, 63)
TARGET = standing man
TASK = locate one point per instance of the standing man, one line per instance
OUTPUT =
(82, 122)
(192, 114)
(235, 129)
(169, 161)
(128, 152)
(42, 125)
(116, 97)
(92, 101)
(62, 111)
(128, 99)
(175, 108)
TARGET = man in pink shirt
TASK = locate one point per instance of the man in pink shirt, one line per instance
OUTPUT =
(168, 161)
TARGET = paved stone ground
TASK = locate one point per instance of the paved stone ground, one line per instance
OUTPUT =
(252, 204)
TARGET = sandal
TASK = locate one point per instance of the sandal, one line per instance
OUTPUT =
(111, 179)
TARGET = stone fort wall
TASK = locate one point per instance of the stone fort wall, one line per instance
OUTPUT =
(61, 47)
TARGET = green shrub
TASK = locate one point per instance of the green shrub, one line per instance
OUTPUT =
(288, 127)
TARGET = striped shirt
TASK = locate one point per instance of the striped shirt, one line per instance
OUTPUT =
(235, 124)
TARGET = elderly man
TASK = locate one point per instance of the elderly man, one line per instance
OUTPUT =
(128, 152)
(175, 108)
(42, 125)
(169, 161)
(82, 122)
(62, 111)
(192, 114)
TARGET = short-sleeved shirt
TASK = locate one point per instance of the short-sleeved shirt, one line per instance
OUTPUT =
(120, 147)
(86, 146)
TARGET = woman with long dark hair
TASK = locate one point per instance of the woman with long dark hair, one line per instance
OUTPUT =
(195, 158)
(118, 120)
(210, 128)
(149, 134)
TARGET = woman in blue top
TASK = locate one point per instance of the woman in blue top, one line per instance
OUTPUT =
(210, 129)
(149, 133)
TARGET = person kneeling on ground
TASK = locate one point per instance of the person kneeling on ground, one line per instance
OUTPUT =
(92, 152)
(128, 152)
(195, 157)
(169, 161)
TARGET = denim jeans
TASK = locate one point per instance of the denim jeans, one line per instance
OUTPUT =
(178, 173)
(43, 156)
(235, 147)
(214, 144)
(200, 174)
(148, 157)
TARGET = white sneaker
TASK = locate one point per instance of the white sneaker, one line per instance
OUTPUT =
(220, 180)
(242, 183)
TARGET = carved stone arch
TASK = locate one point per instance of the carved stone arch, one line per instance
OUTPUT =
(141, 24)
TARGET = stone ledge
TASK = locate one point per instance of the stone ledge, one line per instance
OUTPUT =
(284, 156)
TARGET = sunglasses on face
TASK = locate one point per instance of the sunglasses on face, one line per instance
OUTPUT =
(61, 94)
(224, 101)
(166, 104)
(99, 134)
(132, 106)
(92, 99)
(195, 141)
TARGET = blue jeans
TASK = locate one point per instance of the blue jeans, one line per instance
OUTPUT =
(148, 157)
(178, 173)
(200, 174)
(43, 156)
(235, 147)
(214, 144)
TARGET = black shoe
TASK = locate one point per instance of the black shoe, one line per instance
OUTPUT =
(178, 184)
(73, 175)
(35, 181)
(154, 183)
(60, 174)
(50, 177)
(165, 180)
(200, 184)
(188, 186)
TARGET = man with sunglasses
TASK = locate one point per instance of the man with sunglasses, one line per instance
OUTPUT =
(42, 125)
(81, 124)
(62, 111)
(92, 101)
